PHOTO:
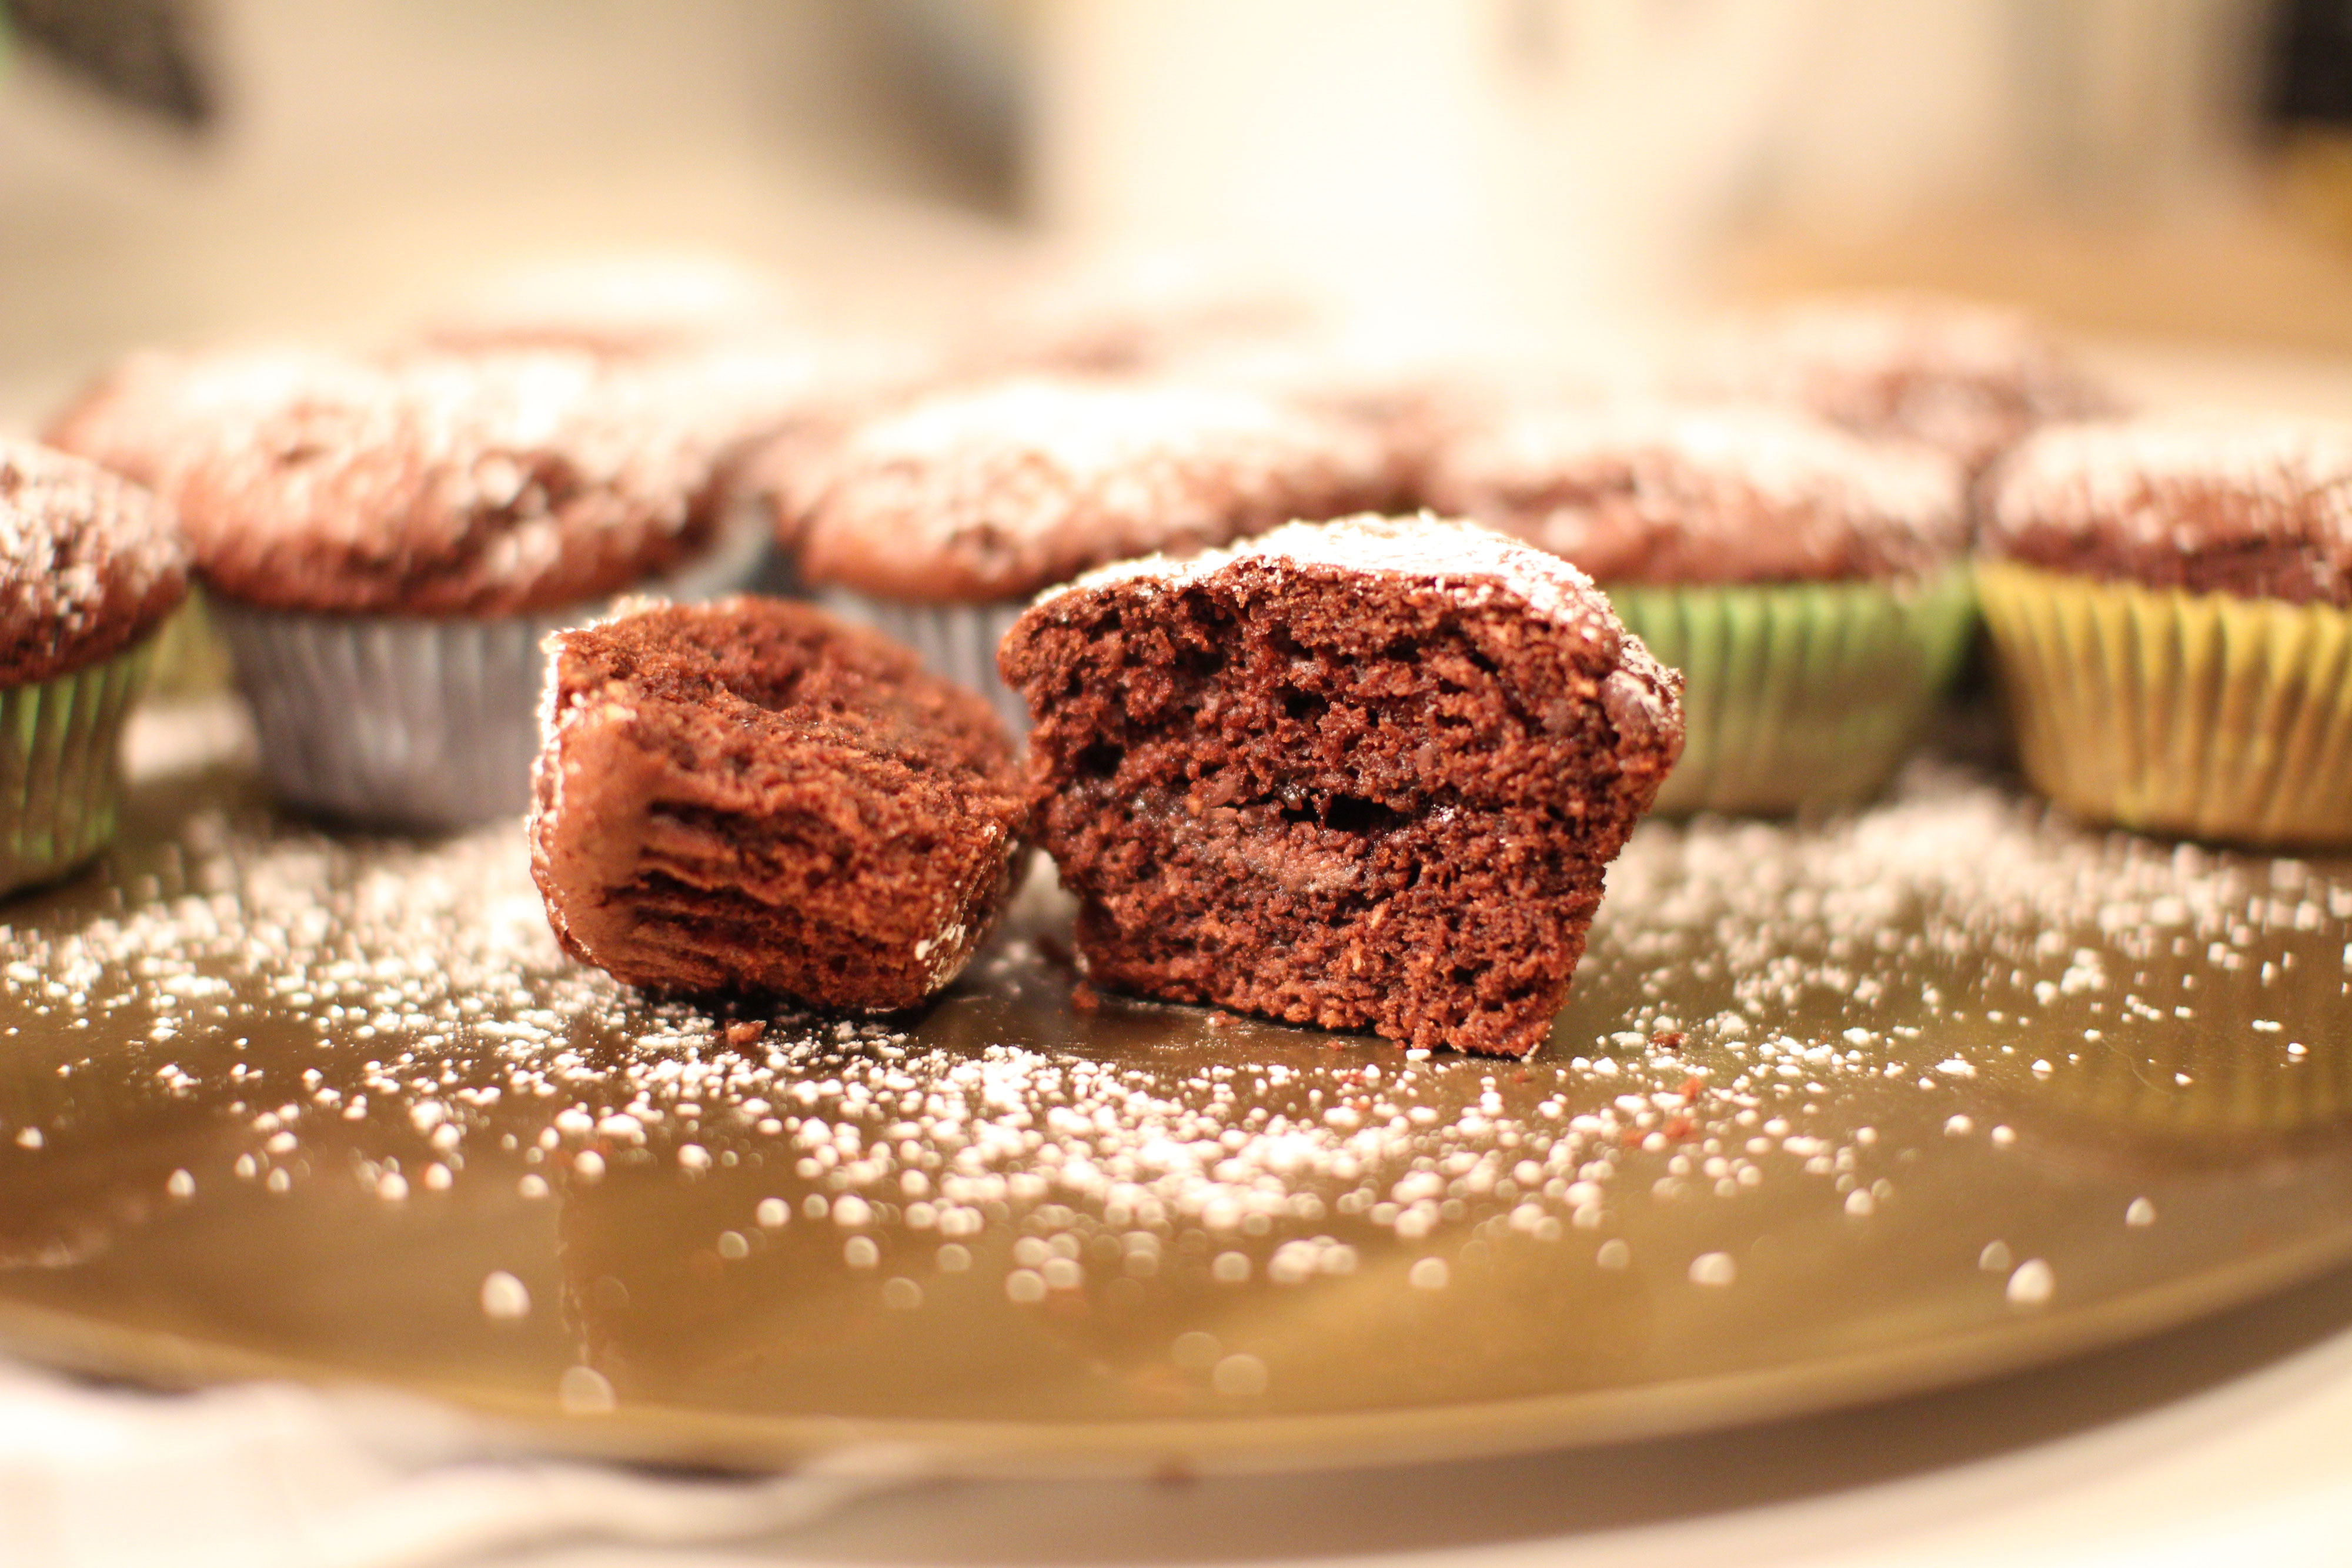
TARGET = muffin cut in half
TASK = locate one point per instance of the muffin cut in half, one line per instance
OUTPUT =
(1366, 775)
(750, 795)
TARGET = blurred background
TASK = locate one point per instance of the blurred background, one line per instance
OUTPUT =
(1582, 172)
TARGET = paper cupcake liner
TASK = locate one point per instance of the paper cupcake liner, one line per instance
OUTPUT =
(59, 786)
(392, 721)
(425, 723)
(957, 641)
(2200, 714)
(1802, 695)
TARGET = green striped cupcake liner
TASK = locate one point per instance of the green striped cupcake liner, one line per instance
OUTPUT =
(59, 785)
(1800, 695)
(2206, 715)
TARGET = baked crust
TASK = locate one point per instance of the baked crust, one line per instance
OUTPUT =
(88, 563)
(1668, 494)
(753, 796)
(443, 485)
(992, 493)
(2258, 507)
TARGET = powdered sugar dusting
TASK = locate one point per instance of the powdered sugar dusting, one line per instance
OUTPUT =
(1741, 480)
(1086, 429)
(1968, 379)
(1454, 556)
(1759, 1004)
(438, 485)
(2158, 479)
(993, 492)
(85, 562)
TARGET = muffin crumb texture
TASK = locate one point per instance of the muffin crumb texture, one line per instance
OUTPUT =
(1365, 776)
(752, 795)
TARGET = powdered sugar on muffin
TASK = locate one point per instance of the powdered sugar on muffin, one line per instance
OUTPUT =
(1727, 493)
(445, 486)
(88, 563)
(1968, 380)
(993, 492)
(2220, 502)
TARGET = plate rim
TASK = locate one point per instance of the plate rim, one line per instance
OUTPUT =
(1215, 1445)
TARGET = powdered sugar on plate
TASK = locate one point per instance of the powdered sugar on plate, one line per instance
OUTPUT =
(1758, 1003)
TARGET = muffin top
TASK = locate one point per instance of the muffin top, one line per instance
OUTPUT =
(1694, 495)
(436, 486)
(88, 563)
(2255, 507)
(1453, 556)
(1971, 380)
(992, 493)
(142, 418)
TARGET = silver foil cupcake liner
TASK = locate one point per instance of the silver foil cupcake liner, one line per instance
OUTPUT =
(957, 641)
(59, 784)
(417, 722)
(393, 721)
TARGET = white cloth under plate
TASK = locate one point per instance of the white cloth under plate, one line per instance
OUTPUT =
(272, 1475)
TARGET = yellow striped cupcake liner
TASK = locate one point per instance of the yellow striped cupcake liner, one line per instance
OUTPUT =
(2206, 715)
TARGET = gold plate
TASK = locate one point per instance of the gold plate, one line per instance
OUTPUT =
(1836, 1113)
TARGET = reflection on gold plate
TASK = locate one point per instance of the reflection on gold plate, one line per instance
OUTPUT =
(1836, 1113)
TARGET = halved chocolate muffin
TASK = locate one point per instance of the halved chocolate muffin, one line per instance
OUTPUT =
(1366, 775)
(751, 795)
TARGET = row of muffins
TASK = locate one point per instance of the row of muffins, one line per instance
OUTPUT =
(386, 541)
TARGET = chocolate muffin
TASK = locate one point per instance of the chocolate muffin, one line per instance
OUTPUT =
(1968, 380)
(938, 521)
(89, 569)
(490, 485)
(1407, 400)
(1811, 585)
(751, 795)
(1673, 494)
(146, 417)
(2260, 508)
(1138, 316)
(1366, 775)
(385, 546)
(2171, 606)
